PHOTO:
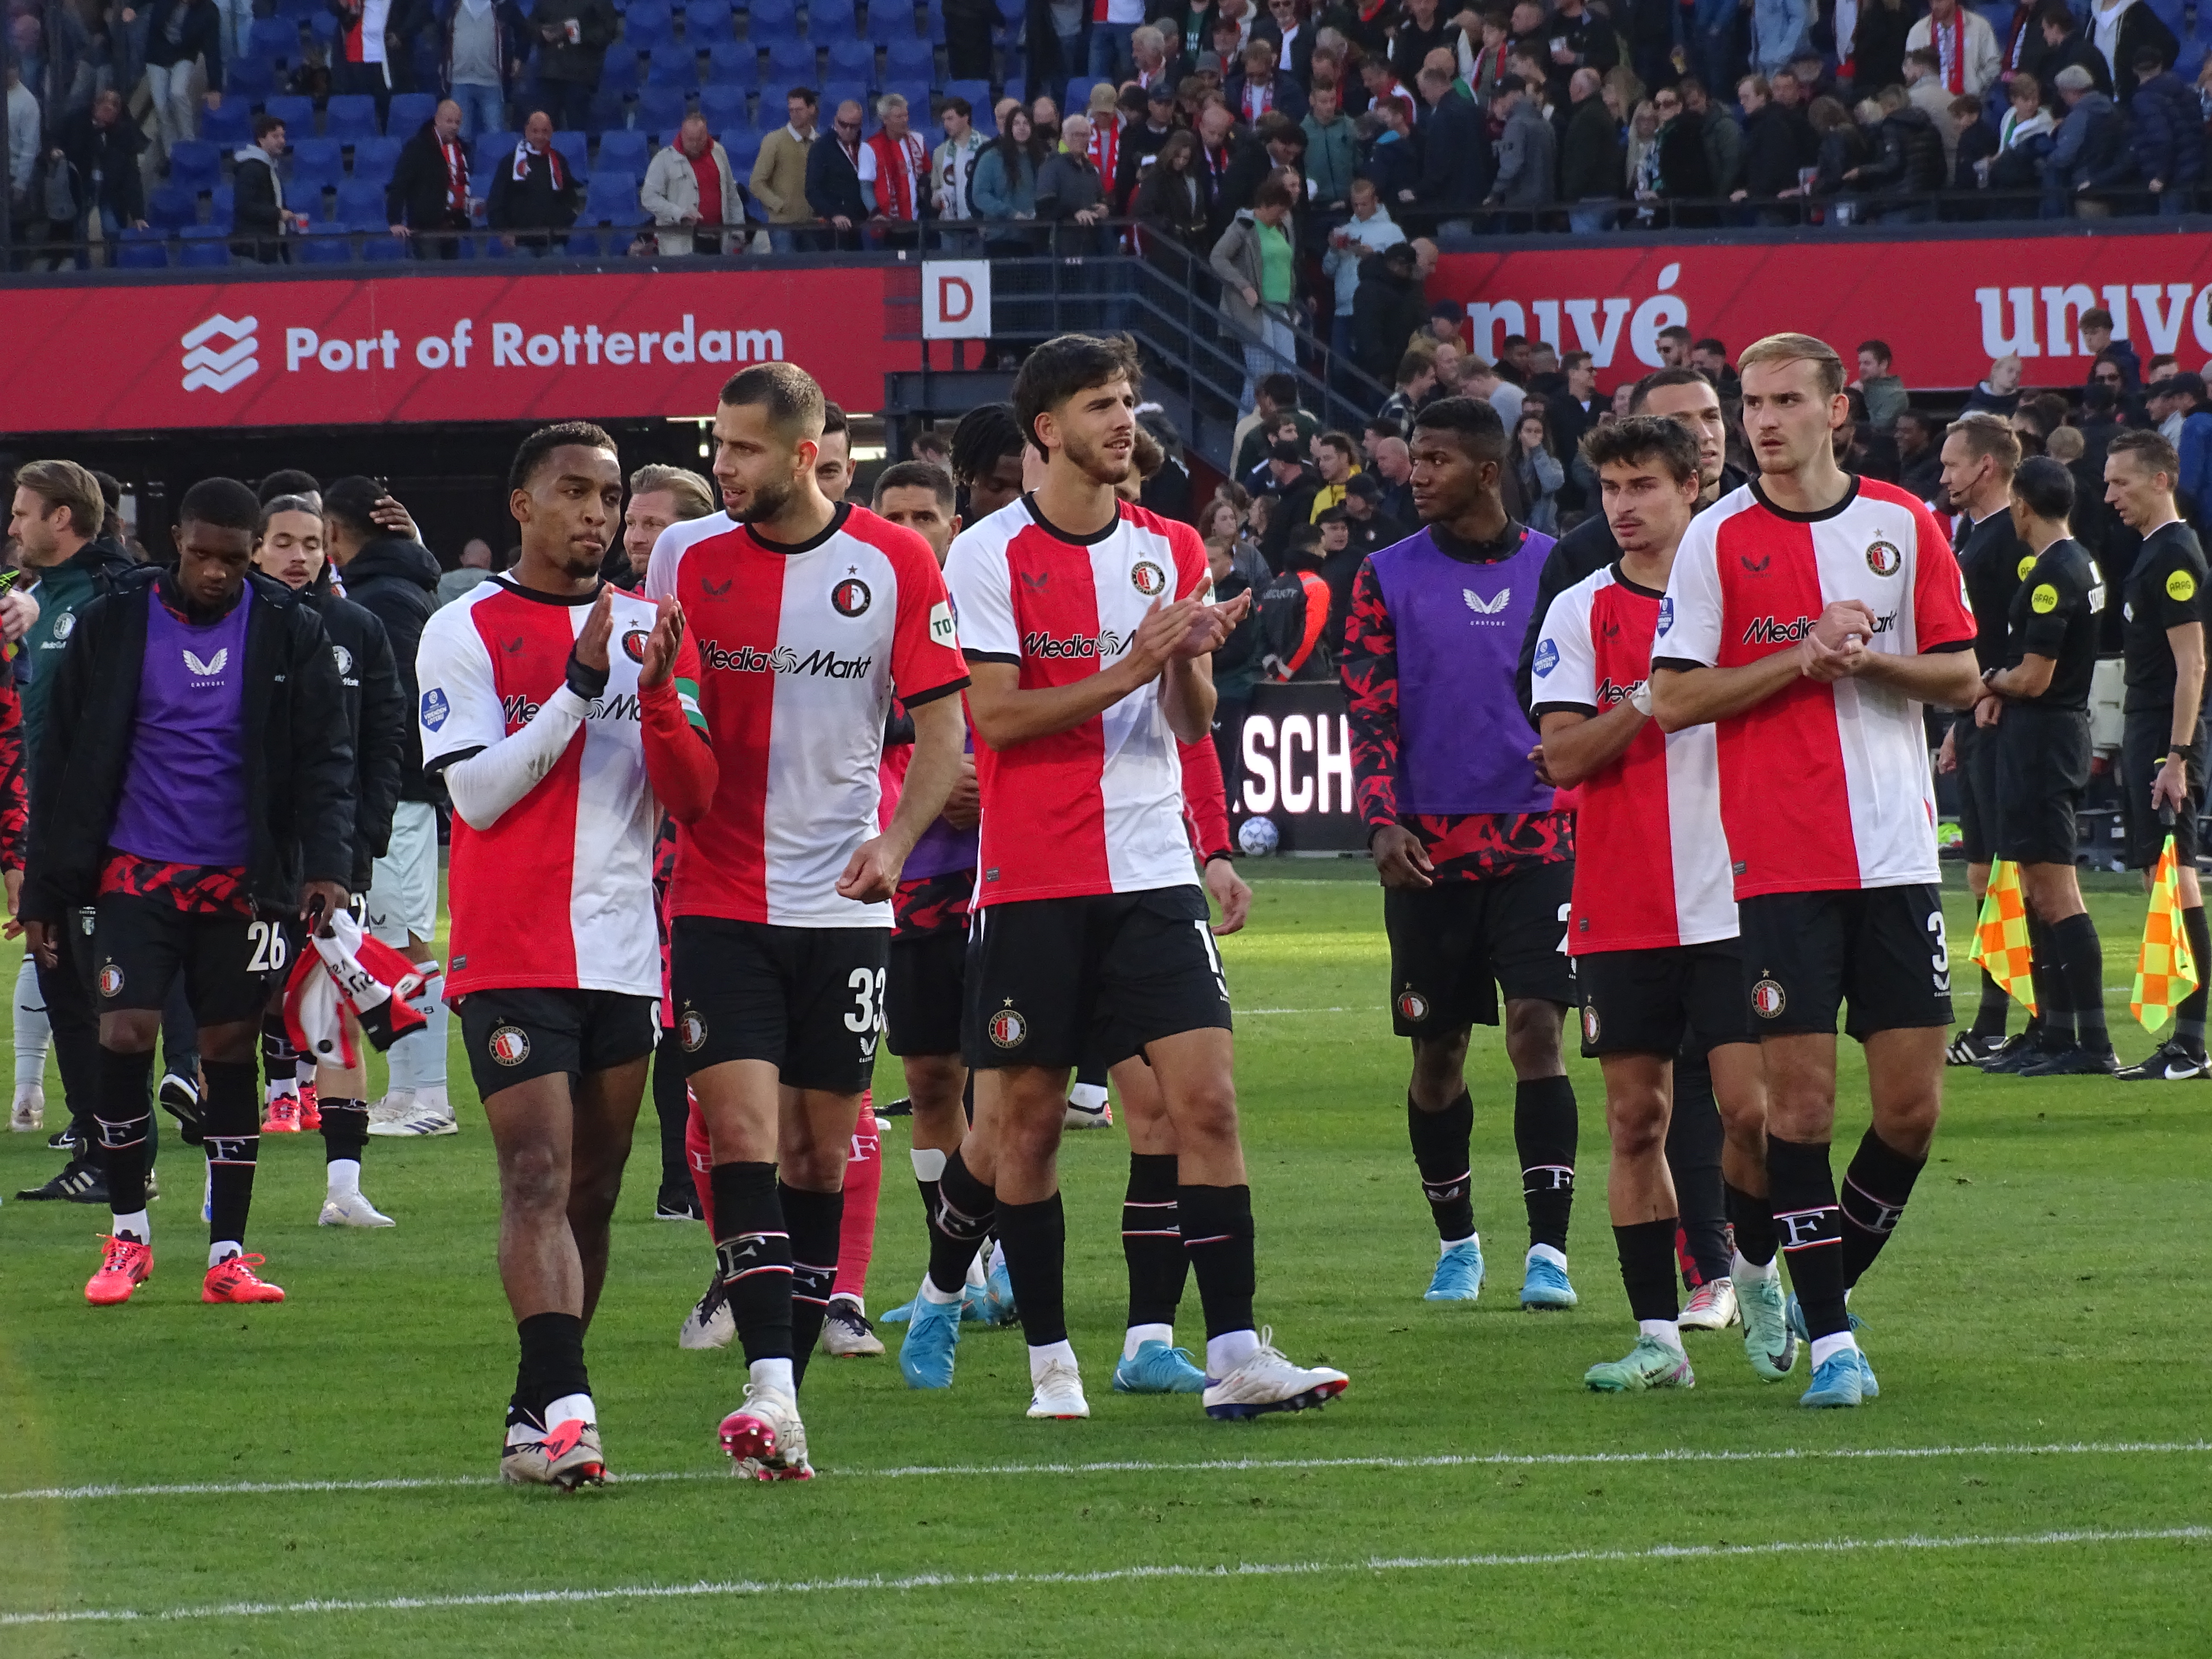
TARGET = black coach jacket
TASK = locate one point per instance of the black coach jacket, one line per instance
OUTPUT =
(299, 753)
(379, 718)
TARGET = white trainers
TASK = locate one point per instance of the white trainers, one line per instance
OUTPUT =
(430, 1114)
(1059, 1393)
(395, 1106)
(352, 1211)
(1088, 1108)
(1269, 1381)
(846, 1334)
(1711, 1307)
(764, 1437)
(709, 1324)
(28, 1115)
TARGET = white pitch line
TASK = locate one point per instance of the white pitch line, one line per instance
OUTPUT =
(1203, 1465)
(1311, 1011)
(928, 1580)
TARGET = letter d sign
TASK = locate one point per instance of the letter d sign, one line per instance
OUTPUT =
(955, 300)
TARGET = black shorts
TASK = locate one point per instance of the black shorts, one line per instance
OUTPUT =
(2043, 771)
(1685, 999)
(1978, 789)
(2146, 736)
(808, 1000)
(513, 1036)
(1879, 949)
(228, 961)
(1063, 981)
(1454, 946)
(925, 996)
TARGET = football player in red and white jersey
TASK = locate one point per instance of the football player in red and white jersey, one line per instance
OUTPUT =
(1809, 617)
(559, 753)
(1652, 928)
(1087, 629)
(811, 617)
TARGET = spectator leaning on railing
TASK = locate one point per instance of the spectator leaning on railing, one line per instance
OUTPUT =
(779, 181)
(2168, 134)
(691, 192)
(1005, 179)
(259, 214)
(430, 187)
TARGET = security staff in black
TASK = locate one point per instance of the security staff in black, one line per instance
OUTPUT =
(2036, 706)
(2162, 740)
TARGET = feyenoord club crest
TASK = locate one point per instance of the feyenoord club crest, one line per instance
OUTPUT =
(692, 1029)
(1413, 1006)
(851, 597)
(344, 659)
(510, 1045)
(1590, 1025)
(634, 644)
(1767, 1000)
(1007, 1027)
(1884, 560)
(1148, 579)
(110, 979)
(64, 625)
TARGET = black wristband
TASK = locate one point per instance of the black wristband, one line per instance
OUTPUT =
(1222, 853)
(588, 683)
(2186, 751)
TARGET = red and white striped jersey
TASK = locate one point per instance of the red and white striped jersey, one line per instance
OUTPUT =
(1823, 786)
(1651, 867)
(800, 649)
(1098, 808)
(585, 829)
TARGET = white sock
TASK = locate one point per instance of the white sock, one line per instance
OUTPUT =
(304, 1072)
(135, 1225)
(1741, 1269)
(936, 1297)
(34, 1032)
(1546, 1253)
(1826, 1347)
(1226, 1352)
(222, 1249)
(1062, 1351)
(288, 1087)
(928, 1163)
(1446, 1246)
(1088, 1096)
(1140, 1335)
(571, 1405)
(430, 1069)
(772, 1374)
(1661, 1330)
(343, 1177)
(399, 1060)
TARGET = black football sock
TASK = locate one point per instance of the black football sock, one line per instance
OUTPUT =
(1544, 1135)
(1216, 1231)
(754, 1249)
(672, 1105)
(1694, 1139)
(122, 1113)
(1876, 1188)
(280, 1060)
(813, 1220)
(1647, 1267)
(345, 1129)
(552, 1360)
(2054, 1017)
(1035, 1237)
(1152, 1240)
(1995, 1007)
(231, 1117)
(1809, 1226)
(959, 1223)
(2189, 1015)
(1440, 1153)
(2084, 957)
(1753, 1221)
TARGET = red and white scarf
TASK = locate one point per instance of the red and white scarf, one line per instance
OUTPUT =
(1258, 97)
(522, 154)
(899, 162)
(1950, 44)
(457, 177)
(1105, 145)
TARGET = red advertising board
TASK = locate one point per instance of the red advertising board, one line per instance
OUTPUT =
(1945, 306)
(506, 345)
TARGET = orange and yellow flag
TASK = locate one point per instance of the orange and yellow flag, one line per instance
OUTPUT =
(2000, 934)
(2166, 972)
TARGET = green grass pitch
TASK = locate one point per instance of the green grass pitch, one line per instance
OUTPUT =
(2033, 1479)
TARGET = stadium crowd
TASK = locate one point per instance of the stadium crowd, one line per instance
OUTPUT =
(231, 127)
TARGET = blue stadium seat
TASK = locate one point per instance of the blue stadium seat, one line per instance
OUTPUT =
(571, 148)
(316, 165)
(648, 24)
(230, 126)
(890, 22)
(744, 145)
(276, 37)
(297, 113)
(141, 250)
(622, 70)
(608, 110)
(835, 92)
(494, 150)
(765, 20)
(223, 205)
(621, 151)
(324, 27)
(935, 29)
(195, 165)
(360, 201)
(734, 63)
(661, 110)
(987, 123)
(707, 23)
(248, 82)
(376, 160)
(723, 106)
(673, 65)
(349, 115)
(853, 60)
(377, 242)
(910, 60)
(829, 20)
(1015, 88)
(978, 93)
(325, 245)
(611, 199)
(1077, 96)
(408, 111)
(790, 62)
(204, 246)
(916, 93)
(170, 207)
(300, 11)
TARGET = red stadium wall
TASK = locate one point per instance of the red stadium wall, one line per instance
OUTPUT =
(507, 345)
(1946, 308)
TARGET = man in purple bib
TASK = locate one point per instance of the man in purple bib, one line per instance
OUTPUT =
(1476, 863)
(196, 788)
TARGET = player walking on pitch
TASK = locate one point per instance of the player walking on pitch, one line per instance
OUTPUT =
(1809, 617)
(1086, 628)
(562, 714)
(810, 616)
(1653, 930)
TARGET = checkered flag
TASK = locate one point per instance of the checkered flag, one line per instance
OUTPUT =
(2000, 935)
(2165, 972)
